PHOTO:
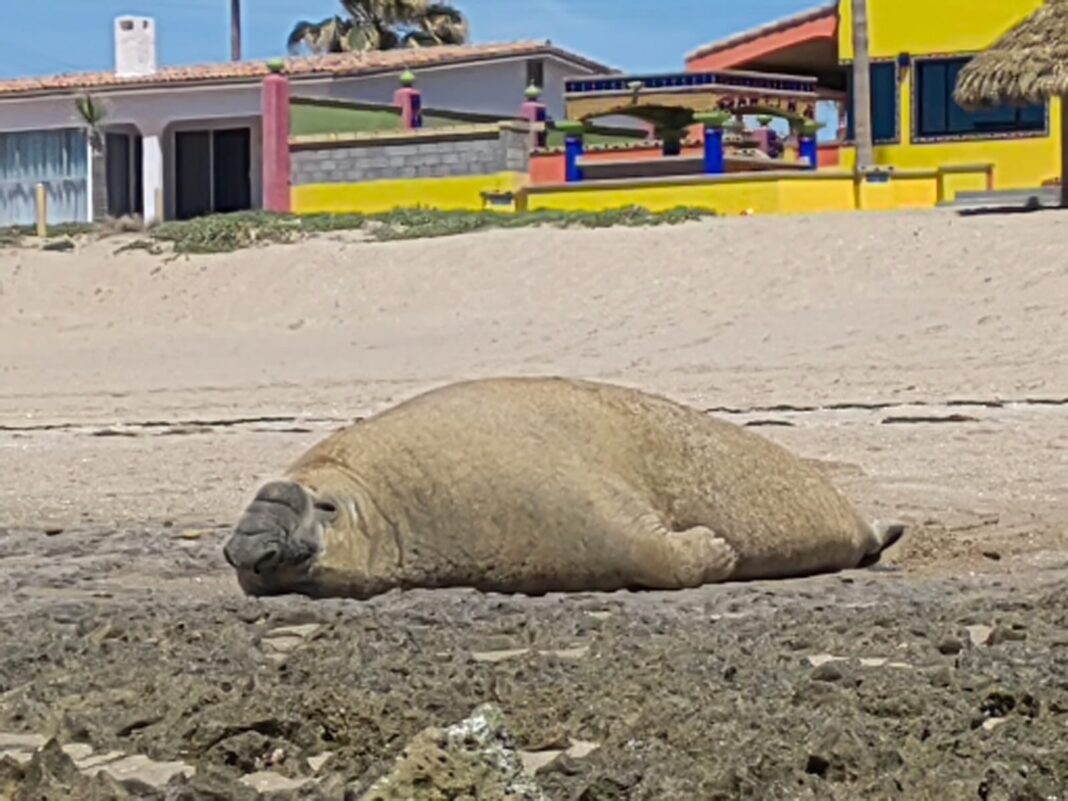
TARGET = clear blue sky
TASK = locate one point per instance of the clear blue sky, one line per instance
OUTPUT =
(49, 36)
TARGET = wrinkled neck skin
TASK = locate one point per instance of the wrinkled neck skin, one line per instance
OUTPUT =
(360, 552)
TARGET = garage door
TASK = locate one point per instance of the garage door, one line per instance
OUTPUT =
(59, 159)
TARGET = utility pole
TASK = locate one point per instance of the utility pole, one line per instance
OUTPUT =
(862, 133)
(235, 30)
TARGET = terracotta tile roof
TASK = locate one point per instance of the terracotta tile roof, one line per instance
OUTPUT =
(334, 65)
(774, 26)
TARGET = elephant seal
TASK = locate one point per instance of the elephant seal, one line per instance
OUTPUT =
(536, 485)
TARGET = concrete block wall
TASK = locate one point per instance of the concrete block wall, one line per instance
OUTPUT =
(428, 154)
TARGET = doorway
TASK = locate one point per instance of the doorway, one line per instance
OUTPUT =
(124, 175)
(213, 171)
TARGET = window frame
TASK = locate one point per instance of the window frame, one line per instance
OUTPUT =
(971, 136)
(850, 141)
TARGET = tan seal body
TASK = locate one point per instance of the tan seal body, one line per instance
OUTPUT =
(538, 485)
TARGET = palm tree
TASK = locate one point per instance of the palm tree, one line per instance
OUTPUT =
(92, 114)
(235, 30)
(382, 25)
(862, 135)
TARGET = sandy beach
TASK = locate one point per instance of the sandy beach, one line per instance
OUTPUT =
(918, 357)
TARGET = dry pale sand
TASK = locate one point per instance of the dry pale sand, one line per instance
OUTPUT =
(139, 388)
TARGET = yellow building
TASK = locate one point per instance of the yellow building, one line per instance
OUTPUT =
(917, 48)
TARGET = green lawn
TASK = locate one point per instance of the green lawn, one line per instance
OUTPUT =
(310, 120)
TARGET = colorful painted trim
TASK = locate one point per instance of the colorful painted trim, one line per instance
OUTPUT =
(601, 84)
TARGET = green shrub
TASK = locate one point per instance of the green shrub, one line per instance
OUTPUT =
(224, 233)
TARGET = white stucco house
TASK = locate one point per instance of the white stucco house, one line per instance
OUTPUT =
(189, 137)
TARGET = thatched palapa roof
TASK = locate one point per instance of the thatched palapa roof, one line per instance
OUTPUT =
(1029, 64)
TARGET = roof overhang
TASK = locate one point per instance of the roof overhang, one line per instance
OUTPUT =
(300, 70)
(805, 43)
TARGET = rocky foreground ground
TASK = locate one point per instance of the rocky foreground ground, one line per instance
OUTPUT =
(866, 684)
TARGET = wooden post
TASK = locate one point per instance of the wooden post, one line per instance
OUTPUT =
(42, 211)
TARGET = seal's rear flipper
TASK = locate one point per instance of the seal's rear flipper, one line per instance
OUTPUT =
(886, 533)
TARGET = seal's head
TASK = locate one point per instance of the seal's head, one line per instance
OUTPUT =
(279, 540)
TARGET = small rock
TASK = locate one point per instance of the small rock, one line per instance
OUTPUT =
(78, 751)
(53, 531)
(23, 742)
(96, 760)
(250, 613)
(193, 534)
(49, 770)
(950, 646)
(564, 764)
(305, 631)
(941, 676)
(316, 762)
(498, 656)
(979, 634)
(138, 772)
(816, 660)
(580, 749)
(1002, 634)
(554, 738)
(872, 661)
(828, 671)
(533, 761)
(267, 781)
(280, 642)
(15, 755)
(568, 653)
(992, 723)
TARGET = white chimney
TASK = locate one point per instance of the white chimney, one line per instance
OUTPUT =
(135, 46)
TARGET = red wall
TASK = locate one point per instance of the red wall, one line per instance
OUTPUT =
(548, 168)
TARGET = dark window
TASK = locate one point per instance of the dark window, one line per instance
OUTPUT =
(192, 165)
(232, 165)
(883, 103)
(937, 113)
(536, 72)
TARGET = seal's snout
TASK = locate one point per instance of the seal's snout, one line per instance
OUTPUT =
(276, 531)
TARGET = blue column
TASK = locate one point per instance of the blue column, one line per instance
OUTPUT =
(572, 151)
(808, 148)
(714, 163)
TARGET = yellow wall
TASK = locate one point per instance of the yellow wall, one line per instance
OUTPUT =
(370, 197)
(932, 26)
(795, 194)
(791, 193)
(946, 27)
